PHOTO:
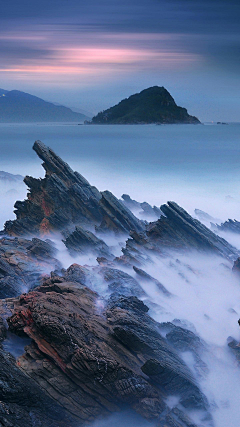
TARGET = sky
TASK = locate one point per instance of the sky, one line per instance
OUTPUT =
(91, 54)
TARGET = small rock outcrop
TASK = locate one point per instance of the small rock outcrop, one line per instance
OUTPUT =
(116, 216)
(232, 226)
(23, 263)
(145, 210)
(179, 230)
(84, 241)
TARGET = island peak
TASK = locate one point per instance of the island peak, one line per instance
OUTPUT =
(152, 105)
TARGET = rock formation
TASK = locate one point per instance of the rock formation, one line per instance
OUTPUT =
(94, 349)
(23, 263)
(232, 226)
(93, 357)
(152, 105)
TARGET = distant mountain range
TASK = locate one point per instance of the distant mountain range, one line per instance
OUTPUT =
(9, 177)
(152, 105)
(21, 107)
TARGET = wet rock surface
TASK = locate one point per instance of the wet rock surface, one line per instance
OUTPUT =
(23, 263)
(61, 198)
(64, 199)
(116, 216)
(93, 354)
(147, 278)
(23, 403)
(84, 241)
(92, 357)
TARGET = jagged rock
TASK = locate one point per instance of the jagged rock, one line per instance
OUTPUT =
(235, 348)
(130, 203)
(147, 278)
(84, 241)
(90, 360)
(184, 340)
(24, 403)
(120, 282)
(23, 263)
(204, 216)
(236, 266)
(179, 230)
(116, 216)
(146, 210)
(141, 336)
(175, 231)
(232, 226)
(76, 273)
(63, 197)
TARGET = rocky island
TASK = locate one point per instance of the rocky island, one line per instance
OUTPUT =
(152, 105)
(93, 347)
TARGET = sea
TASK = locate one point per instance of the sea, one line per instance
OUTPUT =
(197, 166)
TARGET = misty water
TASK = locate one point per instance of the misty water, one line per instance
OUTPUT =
(196, 166)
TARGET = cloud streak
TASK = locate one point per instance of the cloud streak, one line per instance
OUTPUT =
(54, 53)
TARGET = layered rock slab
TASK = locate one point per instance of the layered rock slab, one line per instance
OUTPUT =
(63, 199)
(90, 357)
(175, 231)
(23, 263)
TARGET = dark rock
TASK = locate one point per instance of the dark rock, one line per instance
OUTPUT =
(63, 197)
(147, 278)
(76, 273)
(84, 241)
(3, 329)
(116, 216)
(235, 348)
(146, 210)
(120, 282)
(170, 377)
(183, 340)
(130, 203)
(179, 230)
(236, 266)
(23, 263)
(24, 403)
(232, 226)
(152, 105)
(90, 360)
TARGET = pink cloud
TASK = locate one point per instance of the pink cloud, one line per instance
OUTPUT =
(68, 53)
